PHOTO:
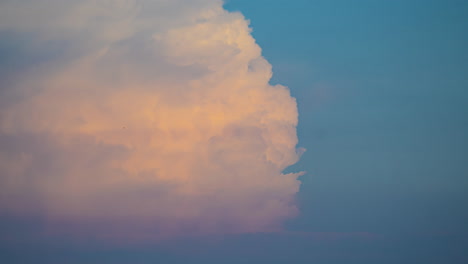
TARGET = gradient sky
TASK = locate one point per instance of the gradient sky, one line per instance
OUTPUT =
(382, 95)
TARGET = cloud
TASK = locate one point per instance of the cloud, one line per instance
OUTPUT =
(144, 117)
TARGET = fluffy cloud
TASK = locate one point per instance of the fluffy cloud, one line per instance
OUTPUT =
(144, 117)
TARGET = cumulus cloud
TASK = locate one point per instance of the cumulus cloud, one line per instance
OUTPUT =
(144, 117)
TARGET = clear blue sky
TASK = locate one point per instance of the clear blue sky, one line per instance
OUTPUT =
(382, 91)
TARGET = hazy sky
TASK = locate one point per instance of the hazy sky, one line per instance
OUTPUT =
(381, 90)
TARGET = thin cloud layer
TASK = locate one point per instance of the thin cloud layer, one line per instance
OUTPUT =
(144, 117)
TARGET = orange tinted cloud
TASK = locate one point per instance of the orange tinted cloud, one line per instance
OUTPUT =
(158, 118)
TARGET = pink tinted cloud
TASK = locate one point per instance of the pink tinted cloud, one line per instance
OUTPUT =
(158, 120)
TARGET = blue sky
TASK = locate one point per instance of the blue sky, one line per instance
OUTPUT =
(382, 92)
(381, 89)
(382, 95)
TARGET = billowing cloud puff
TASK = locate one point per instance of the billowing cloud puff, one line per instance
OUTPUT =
(144, 117)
